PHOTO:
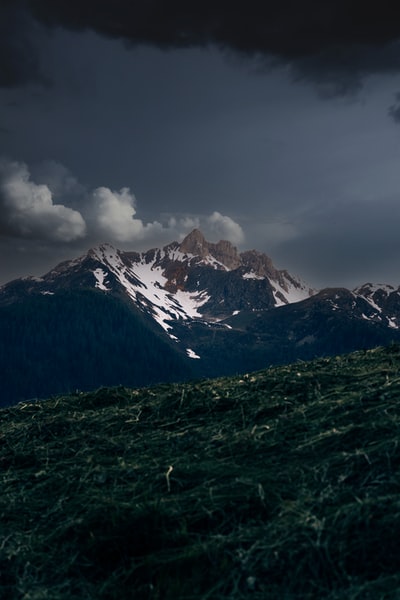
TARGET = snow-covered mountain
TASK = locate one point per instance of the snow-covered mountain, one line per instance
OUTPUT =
(383, 301)
(195, 279)
(376, 303)
(189, 309)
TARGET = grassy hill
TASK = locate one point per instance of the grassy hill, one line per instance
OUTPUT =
(280, 484)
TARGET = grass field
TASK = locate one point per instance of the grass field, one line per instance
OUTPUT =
(282, 484)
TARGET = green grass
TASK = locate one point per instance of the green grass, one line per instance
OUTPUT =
(280, 484)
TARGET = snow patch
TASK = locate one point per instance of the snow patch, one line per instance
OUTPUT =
(252, 275)
(213, 262)
(372, 303)
(371, 288)
(32, 278)
(145, 284)
(291, 293)
(190, 302)
(100, 279)
(177, 255)
(191, 353)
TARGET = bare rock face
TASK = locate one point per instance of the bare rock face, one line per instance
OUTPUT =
(223, 251)
(259, 263)
(195, 243)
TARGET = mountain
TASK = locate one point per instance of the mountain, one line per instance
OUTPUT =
(190, 309)
(180, 281)
(279, 484)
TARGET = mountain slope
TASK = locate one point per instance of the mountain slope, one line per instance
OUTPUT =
(278, 484)
(181, 281)
(333, 321)
(190, 309)
(72, 340)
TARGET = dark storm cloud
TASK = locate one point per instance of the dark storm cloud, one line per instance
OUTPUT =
(331, 41)
(288, 28)
(339, 70)
(394, 109)
(360, 244)
(18, 59)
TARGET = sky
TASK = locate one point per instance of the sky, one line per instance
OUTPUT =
(273, 125)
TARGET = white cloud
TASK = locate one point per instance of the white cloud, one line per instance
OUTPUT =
(52, 206)
(179, 227)
(113, 216)
(28, 211)
(224, 227)
(189, 223)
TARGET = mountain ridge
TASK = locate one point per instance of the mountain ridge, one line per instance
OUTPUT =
(172, 265)
(174, 279)
(177, 314)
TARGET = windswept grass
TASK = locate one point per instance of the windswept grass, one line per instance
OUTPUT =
(281, 484)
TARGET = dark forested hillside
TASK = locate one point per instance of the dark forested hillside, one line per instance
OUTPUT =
(80, 340)
(52, 344)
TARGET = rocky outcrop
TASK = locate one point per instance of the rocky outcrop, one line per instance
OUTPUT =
(259, 263)
(195, 243)
(223, 251)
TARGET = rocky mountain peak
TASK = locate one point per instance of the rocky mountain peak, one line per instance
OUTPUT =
(195, 243)
(223, 251)
(259, 263)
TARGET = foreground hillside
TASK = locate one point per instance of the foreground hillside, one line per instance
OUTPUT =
(282, 484)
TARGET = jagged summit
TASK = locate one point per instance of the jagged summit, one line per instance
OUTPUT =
(194, 243)
(220, 255)
(195, 278)
(101, 248)
(223, 251)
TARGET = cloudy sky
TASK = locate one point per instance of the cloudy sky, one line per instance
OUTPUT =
(273, 124)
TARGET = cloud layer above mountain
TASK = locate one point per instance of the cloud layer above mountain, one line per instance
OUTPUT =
(31, 210)
(28, 210)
